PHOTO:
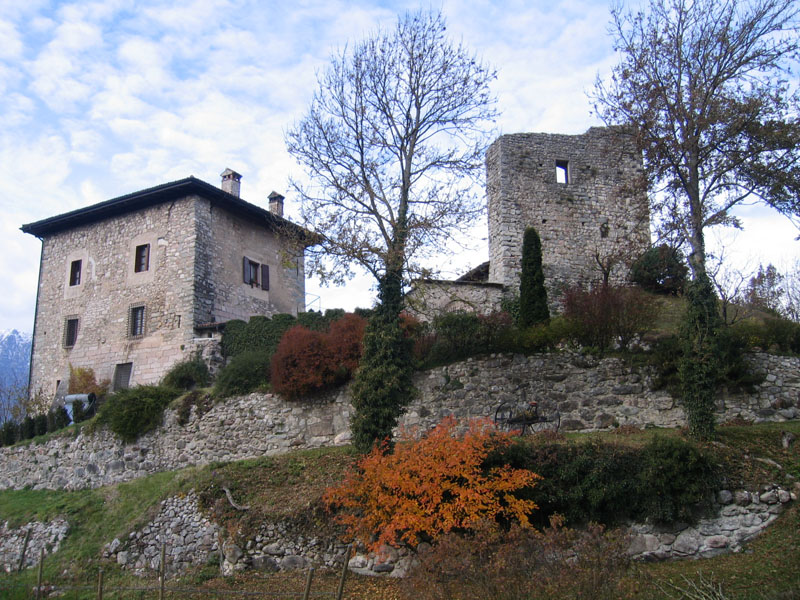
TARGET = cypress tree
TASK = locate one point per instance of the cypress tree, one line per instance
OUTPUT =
(532, 293)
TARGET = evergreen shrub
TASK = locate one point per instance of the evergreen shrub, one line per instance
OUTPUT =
(188, 374)
(611, 484)
(9, 433)
(27, 428)
(40, 424)
(532, 293)
(699, 366)
(243, 374)
(134, 411)
(661, 270)
(57, 418)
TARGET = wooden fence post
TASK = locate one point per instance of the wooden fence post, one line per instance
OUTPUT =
(340, 591)
(24, 550)
(39, 576)
(162, 572)
(309, 577)
(100, 584)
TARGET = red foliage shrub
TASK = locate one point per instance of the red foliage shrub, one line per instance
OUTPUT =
(431, 486)
(345, 340)
(308, 361)
(302, 362)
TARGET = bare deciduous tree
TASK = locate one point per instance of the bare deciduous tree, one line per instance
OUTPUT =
(393, 143)
(703, 83)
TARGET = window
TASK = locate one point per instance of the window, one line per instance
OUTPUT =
(122, 376)
(255, 274)
(562, 171)
(141, 261)
(70, 331)
(75, 272)
(136, 321)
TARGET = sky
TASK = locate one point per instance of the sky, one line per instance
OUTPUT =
(101, 99)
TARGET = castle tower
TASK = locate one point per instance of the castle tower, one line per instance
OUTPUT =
(585, 196)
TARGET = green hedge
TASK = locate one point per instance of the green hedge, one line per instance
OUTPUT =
(668, 480)
(131, 412)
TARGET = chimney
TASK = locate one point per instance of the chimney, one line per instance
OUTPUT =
(276, 204)
(231, 182)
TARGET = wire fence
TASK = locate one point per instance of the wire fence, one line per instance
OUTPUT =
(100, 591)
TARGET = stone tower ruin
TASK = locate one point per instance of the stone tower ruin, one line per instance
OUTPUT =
(585, 196)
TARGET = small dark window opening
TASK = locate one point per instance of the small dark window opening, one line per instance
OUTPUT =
(70, 331)
(141, 261)
(562, 171)
(136, 321)
(604, 229)
(75, 273)
(122, 376)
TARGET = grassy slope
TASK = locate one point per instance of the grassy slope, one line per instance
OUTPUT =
(290, 487)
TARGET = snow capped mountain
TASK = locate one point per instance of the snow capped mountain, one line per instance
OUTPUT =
(15, 356)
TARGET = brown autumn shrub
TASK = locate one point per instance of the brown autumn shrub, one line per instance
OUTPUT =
(308, 361)
(431, 486)
(606, 316)
(82, 381)
(515, 564)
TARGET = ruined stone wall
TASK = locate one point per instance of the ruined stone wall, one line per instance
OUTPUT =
(598, 213)
(108, 288)
(430, 298)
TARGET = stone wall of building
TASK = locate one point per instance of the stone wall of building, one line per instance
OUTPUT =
(194, 276)
(600, 212)
(430, 298)
(109, 286)
(225, 241)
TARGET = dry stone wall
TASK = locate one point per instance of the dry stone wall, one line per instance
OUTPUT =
(589, 394)
(40, 536)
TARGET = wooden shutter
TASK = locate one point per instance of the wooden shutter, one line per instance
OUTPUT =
(246, 269)
(264, 277)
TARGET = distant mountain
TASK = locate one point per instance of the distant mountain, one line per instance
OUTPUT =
(15, 356)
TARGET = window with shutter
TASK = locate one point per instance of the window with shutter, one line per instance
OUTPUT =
(264, 277)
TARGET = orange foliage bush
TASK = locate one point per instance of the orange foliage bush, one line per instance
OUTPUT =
(308, 361)
(430, 487)
(82, 381)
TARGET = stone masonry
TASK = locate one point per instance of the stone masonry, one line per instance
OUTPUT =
(590, 394)
(172, 256)
(583, 195)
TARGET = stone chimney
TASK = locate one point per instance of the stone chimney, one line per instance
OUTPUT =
(276, 204)
(231, 182)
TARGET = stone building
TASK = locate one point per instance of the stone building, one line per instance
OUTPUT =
(132, 285)
(585, 196)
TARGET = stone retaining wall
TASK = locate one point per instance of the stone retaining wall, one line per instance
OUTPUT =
(191, 539)
(589, 394)
(47, 536)
(740, 516)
